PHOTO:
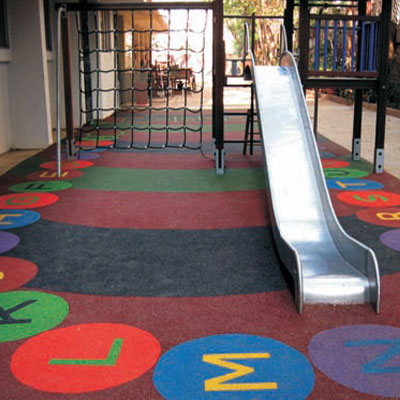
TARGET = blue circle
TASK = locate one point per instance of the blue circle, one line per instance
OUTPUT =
(233, 366)
(10, 219)
(353, 184)
(325, 154)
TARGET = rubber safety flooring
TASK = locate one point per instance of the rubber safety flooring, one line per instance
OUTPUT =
(144, 275)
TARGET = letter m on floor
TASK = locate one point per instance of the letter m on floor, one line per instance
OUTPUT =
(220, 383)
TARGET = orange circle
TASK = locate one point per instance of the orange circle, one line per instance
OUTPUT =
(389, 217)
(21, 201)
(329, 163)
(84, 358)
(65, 165)
(370, 198)
(51, 175)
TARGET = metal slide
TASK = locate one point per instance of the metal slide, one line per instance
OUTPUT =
(327, 265)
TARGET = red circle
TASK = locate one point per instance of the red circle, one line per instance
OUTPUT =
(93, 143)
(84, 358)
(389, 217)
(329, 163)
(65, 165)
(51, 175)
(370, 198)
(15, 272)
(21, 201)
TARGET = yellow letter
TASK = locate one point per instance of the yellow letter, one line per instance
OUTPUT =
(218, 383)
(386, 216)
(3, 216)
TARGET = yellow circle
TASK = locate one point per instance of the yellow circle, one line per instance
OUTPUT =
(1, 275)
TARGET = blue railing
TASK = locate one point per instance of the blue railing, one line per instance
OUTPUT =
(343, 45)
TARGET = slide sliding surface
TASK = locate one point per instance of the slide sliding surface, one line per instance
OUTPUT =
(327, 265)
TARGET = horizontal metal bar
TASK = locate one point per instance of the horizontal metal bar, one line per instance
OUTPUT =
(319, 83)
(236, 84)
(344, 17)
(136, 6)
(241, 141)
(231, 113)
(228, 16)
(344, 74)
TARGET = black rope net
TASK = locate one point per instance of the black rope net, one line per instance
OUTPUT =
(141, 78)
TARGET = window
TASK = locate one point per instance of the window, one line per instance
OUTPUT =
(106, 30)
(3, 25)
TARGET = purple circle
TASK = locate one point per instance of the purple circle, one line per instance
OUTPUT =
(365, 358)
(88, 156)
(83, 155)
(391, 239)
(8, 241)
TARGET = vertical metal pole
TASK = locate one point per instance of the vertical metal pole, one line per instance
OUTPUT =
(58, 78)
(382, 88)
(316, 104)
(357, 117)
(218, 86)
(357, 125)
(252, 108)
(86, 64)
(69, 117)
(288, 21)
(304, 33)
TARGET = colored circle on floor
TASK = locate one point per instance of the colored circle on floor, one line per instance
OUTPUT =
(88, 156)
(353, 184)
(18, 201)
(85, 358)
(27, 313)
(8, 241)
(344, 173)
(327, 163)
(233, 366)
(15, 272)
(10, 219)
(391, 239)
(370, 198)
(325, 155)
(361, 357)
(93, 143)
(40, 186)
(45, 175)
(98, 150)
(66, 165)
(389, 217)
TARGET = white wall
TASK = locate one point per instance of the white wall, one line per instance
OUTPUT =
(28, 76)
(4, 107)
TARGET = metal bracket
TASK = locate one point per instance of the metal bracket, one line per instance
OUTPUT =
(71, 149)
(356, 153)
(219, 155)
(379, 161)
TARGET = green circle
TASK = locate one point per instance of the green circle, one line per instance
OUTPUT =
(344, 173)
(40, 186)
(27, 313)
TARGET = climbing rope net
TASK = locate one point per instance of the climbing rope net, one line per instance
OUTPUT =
(141, 78)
